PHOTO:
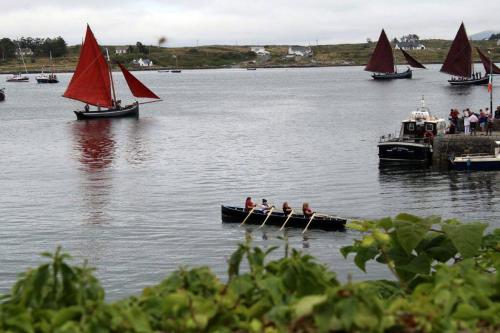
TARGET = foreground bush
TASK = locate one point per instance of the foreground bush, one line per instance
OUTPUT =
(446, 280)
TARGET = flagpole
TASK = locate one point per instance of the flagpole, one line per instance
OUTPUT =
(491, 84)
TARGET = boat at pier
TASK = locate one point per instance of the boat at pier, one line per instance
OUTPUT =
(257, 217)
(382, 63)
(92, 83)
(459, 64)
(414, 143)
(477, 161)
(2, 94)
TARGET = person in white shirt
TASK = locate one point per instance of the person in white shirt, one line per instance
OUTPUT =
(473, 123)
(265, 207)
(466, 123)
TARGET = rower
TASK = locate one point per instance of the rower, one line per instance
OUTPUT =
(249, 204)
(265, 206)
(286, 208)
(306, 210)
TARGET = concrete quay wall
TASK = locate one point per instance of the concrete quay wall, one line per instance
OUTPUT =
(448, 145)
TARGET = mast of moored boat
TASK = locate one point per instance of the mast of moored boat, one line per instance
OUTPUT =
(111, 78)
(51, 63)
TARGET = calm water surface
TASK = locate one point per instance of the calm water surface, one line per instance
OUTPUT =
(139, 197)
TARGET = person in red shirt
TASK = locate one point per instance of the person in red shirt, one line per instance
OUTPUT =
(306, 210)
(249, 204)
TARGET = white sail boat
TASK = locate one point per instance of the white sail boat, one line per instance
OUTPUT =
(48, 78)
(19, 77)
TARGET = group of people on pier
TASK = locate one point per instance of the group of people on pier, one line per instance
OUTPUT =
(265, 207)
(470, 122)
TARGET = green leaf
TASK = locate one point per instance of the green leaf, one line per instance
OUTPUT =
(411, 230)
(466, 238)
(235, 261)
(421, 264)
(305, 305)
(364, 254)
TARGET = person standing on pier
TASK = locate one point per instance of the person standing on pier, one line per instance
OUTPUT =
(466, 123)
(489, 125)
(473, 123)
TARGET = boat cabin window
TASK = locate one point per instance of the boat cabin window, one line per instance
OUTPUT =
(429, 127)
(411, 127)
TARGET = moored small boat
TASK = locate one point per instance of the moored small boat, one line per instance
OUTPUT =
(477, 161)
(47, 78)
(323, 222)
(18, 78)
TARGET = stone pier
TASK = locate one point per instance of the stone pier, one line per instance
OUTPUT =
(448, 145)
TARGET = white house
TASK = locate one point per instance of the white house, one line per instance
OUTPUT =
(300, 51)
(498, 42)
(121, 50)
(409, 46)
(142, 62)
(260, 50)
(24, 52)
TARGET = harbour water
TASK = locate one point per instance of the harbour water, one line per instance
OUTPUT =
(139, 197)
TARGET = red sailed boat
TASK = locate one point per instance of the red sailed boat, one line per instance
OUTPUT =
(382, 63)
(92, 83)
(458, 62)
(489, 66)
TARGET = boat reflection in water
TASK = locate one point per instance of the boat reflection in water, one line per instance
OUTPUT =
(96, 147)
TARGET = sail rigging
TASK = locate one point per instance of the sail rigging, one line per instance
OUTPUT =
(91, 82)
(382, 59)
(412, 61)
(137, 88)
(489, 66)
(459, 59)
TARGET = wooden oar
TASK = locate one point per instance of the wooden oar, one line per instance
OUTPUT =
(310, 220)
(268, 214)
(246, 218)
(289, 215)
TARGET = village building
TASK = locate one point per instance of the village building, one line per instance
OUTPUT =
(412, 45)
(24, 52)
(259, 50)
(142, 62)
(121, 50)
(300, 51)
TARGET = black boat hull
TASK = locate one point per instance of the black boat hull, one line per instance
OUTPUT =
(392, 76)
(47, 80)
(404, 152)
(127, 111)
(470, 82)
(2, 95)
(237, 215)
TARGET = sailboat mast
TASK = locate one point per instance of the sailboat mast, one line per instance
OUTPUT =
(51, 63)
(111, 78)
(22, 58)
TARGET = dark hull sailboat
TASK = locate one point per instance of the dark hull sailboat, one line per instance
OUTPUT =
(92, 83)
(2, 95)
(391, 76)
(458, 62)
(127, 111)
(47, 79)
(382, 64)
(469, 81)
(321, 222)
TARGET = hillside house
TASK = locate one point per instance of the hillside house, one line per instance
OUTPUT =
(413, 45)
(300, 51)
(259, 50)
(142, 62)
(24, 52)
(121, 50)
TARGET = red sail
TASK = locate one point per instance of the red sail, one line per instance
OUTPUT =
(91, 81)
(137, 88)
(459, 59)
(382, 59)
(412, 61)
(488, 65)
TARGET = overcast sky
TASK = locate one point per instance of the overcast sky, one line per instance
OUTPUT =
(256, 22)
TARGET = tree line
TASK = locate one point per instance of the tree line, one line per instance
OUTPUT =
(39, 46)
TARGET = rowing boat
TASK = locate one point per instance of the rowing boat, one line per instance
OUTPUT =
(322, 222)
